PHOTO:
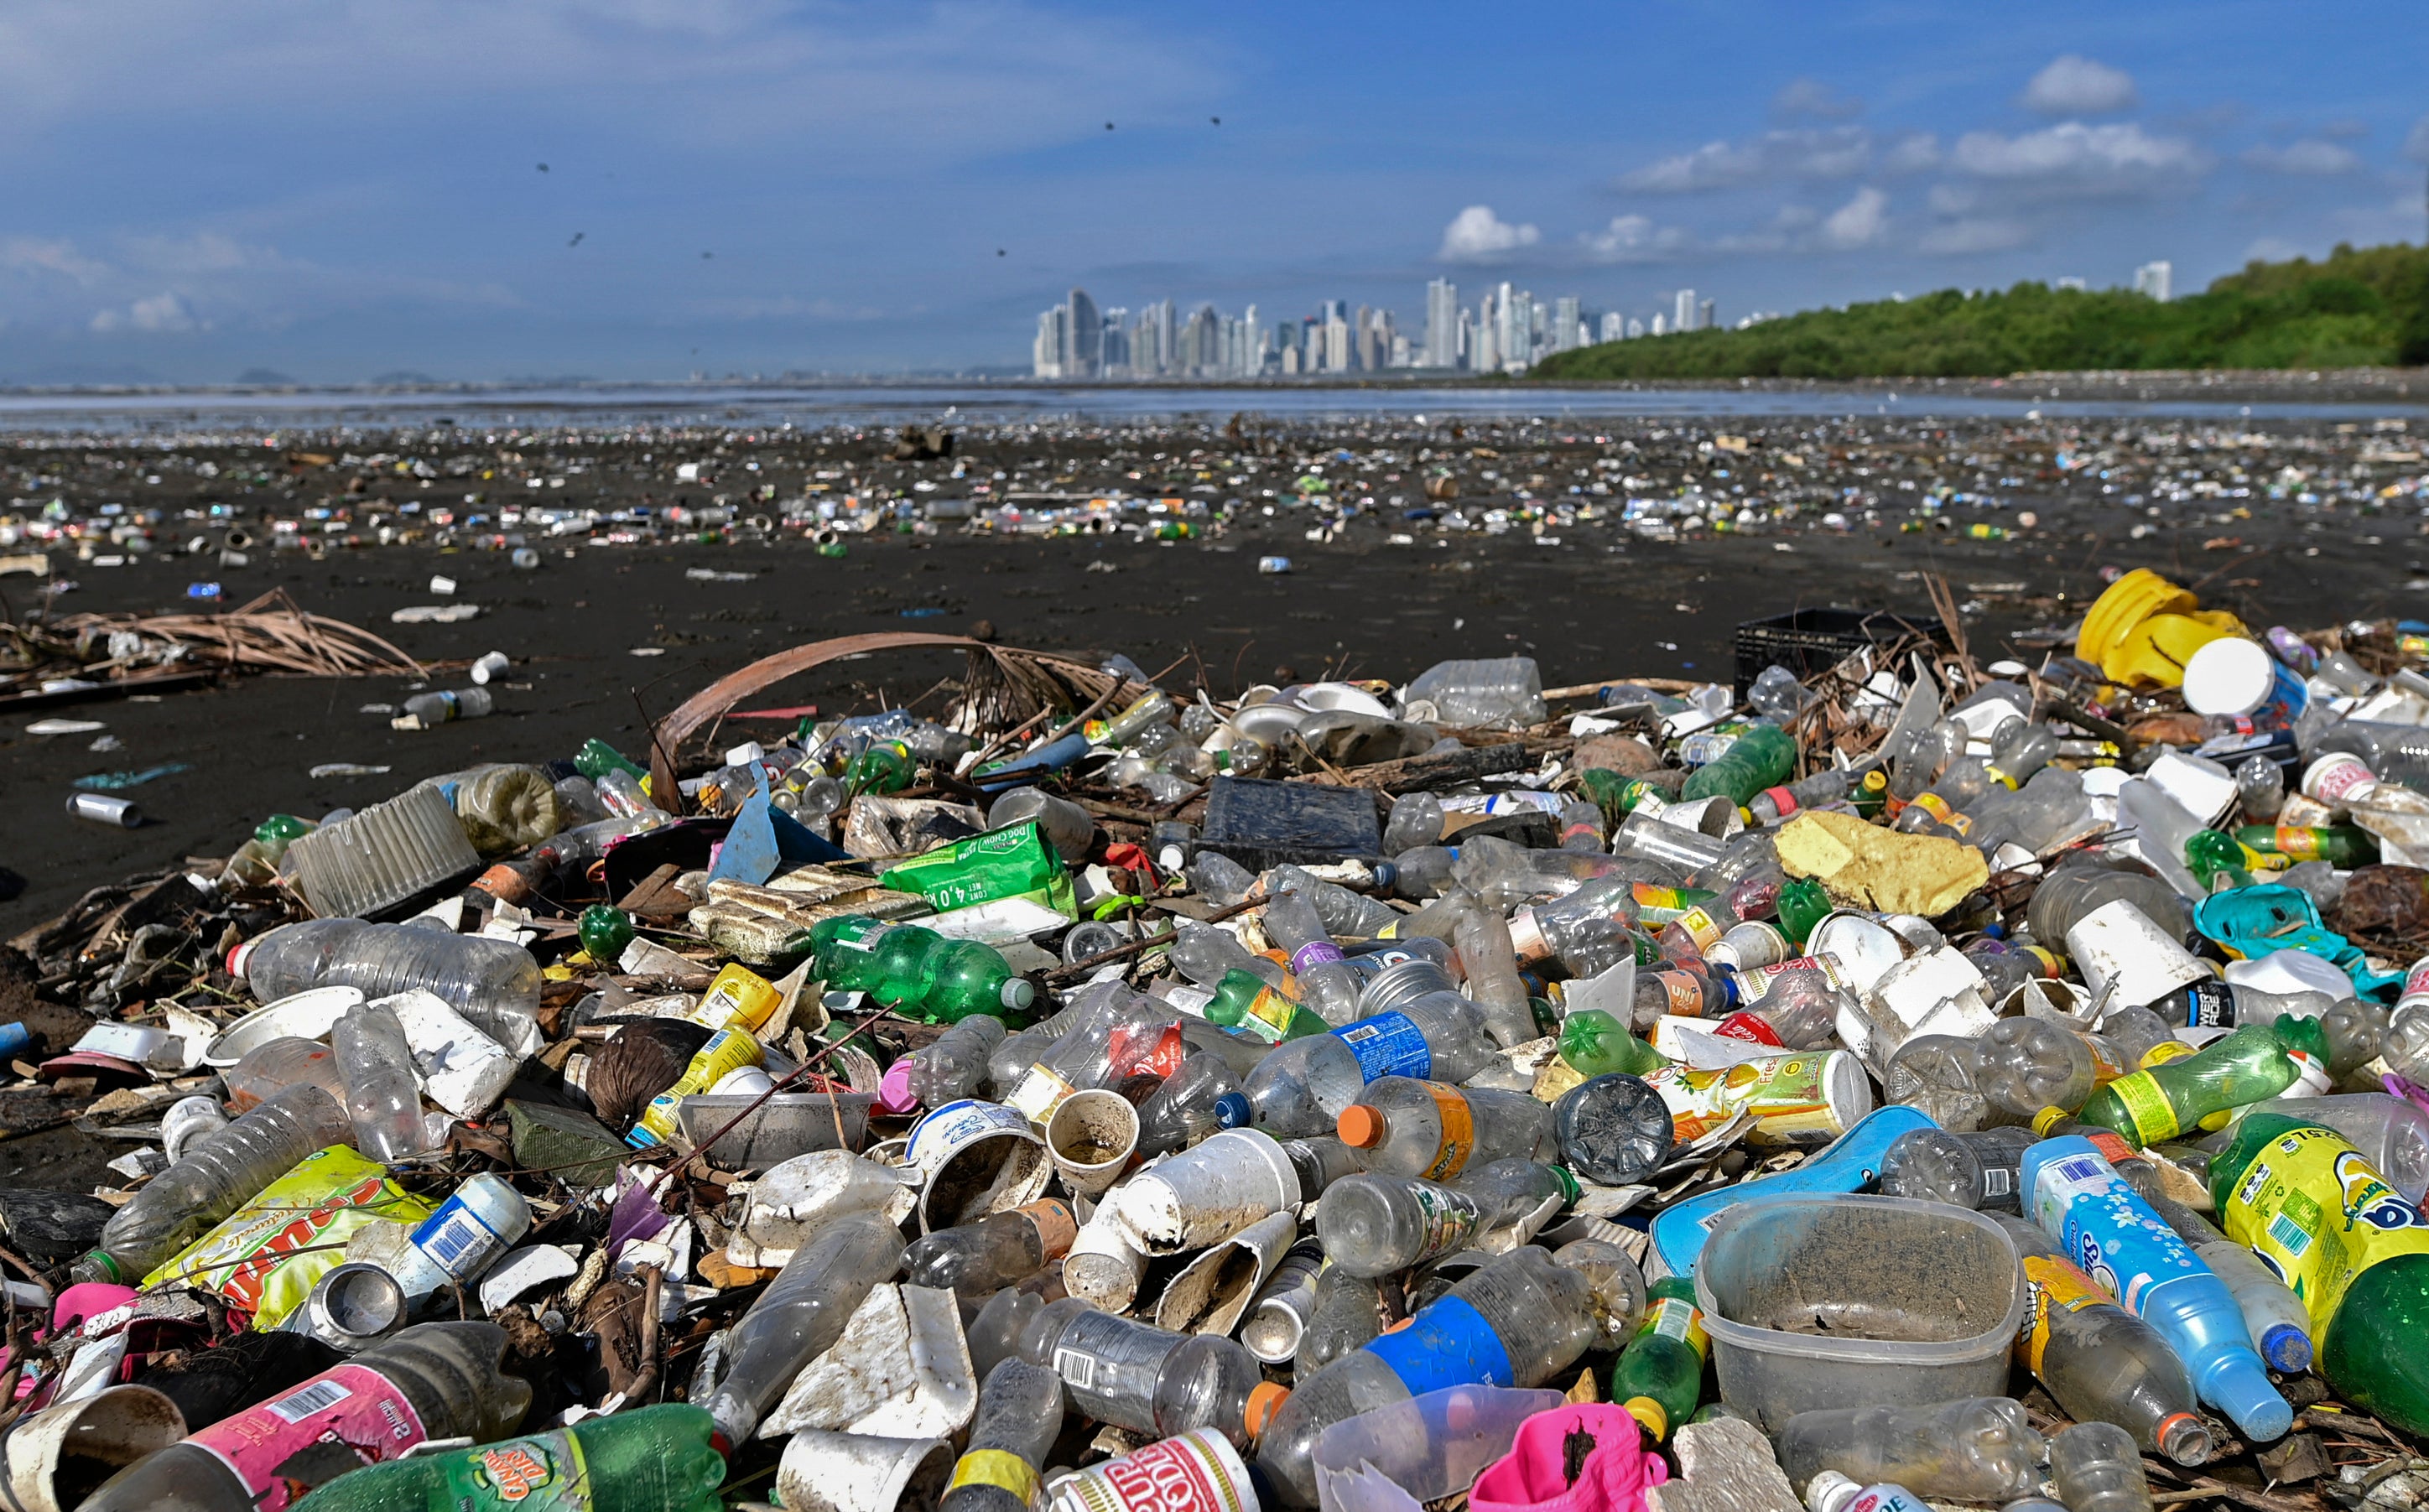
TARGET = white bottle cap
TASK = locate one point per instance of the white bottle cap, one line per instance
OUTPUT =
(2229, 677)
(1828, 1490)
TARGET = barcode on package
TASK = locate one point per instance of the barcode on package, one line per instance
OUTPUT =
(1078, 1370)
(458, 1234)
(2288, 1236)
(310, 1398)
(2080, 1168)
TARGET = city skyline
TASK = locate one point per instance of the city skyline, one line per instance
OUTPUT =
(642, 191)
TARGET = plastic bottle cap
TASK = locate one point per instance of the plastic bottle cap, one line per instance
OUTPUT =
(1233, 1110)
(1360, 1127)
(1649, 1415)
(2230, 676)
(1568, 1183)
(1018, 992)
(1264, 1401)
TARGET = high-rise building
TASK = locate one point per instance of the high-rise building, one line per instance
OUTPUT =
(1484, 353)
(1660, 324)
(2155, 279)
(1337, 341)
(1441, 323)
(1636, 327)
(1046, 352)
(1252, 345)
(1116, 353)
(1613, 327)
(1084, 338)
(1517, 334)
(1564, 322)
(1703, 313)
(1683, 310)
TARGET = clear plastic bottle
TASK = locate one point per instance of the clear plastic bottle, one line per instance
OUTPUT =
(1594, 912)
(1303, 1086)
(439, 706)
(1515, 1321)
(1134, 1376)
(2027, 1064)
(221, 1173)
(1581, 828)
(1219, 879)
(954, 1065)
(382, 1096)
(1801, 999)
(495, 983)
(1979, 1449)
(1457, 1045)
(2261, 788)
(1020, 1415)
(1205, 954)
(1325, 984)
(2099, 1361)
(975, 1259)
(444, 1376)
(2097, 1467)
(1422, 874)
(1374, 1224)
(1194, 1102)
(1831, 1491)
(799, 1315)
(1775, 804)
(1486, 954)
(1976, 1170)
(1934, 1073)
(1416, 820)
(1410, 1127)
(1613, 1130)
(1347, 1313)
(1068, 827)
(1345, 913)
(276, 1064)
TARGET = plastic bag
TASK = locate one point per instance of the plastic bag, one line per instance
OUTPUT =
(251, 1258)
(1016, 862)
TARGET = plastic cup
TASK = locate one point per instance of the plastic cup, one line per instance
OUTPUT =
(1092, 1136)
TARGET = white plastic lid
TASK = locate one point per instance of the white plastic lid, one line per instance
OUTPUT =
(2229, 676)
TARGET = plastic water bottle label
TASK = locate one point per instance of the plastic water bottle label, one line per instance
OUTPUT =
(2210, 1003)
(2153, 1118)
(1109, 1364)
(348, 1409)
(2104, 1228)
(1457, 1122)
(2056, 1286)
(1449, 1344)
(2318, 1213)
(1451, 1217)
(1388, 1044)
(457, 1240)
(1312, 955)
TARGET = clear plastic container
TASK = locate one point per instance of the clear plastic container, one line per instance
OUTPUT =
(1812, 1301)
(382, 1096)
(1429, 1447)
(1303, 1086)
(1979, 1449)
(1135, 1375)
(1020, 1412)
(1068, 827)
(507, 808)
(800, 1315)
(1410, 1127)
(2096, 1468)
(1416, 820)
(381, 856)
(1326, 985)
(221, 1173)
(440, 705)
(1373, 1224)
(274, 1065)
(954, 1065)
(1504, 692)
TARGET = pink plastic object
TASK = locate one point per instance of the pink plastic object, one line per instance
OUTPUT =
(893, 1092)
(1533, 1477)
(87, 1299)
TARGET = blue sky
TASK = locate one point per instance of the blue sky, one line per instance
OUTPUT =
(340, 188)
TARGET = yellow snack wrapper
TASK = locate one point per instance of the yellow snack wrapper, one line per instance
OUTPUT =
(251, 1259)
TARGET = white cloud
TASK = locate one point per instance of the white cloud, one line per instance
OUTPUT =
(2093, 158)
(157, 313)
(1826, 152)
(1971, 234)
(1917, 152)
(2416, 145)
(1811, 97)
(1863, 221)
(2307, 159)
(40, 254)
(1476, 235)
(2073, 85)
(1635, 239)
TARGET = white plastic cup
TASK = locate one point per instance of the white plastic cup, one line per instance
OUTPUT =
(493, 664)
(2126, 960)
(824, 1471)
(1206, 1193)
(1092, 1123)
(2337, 777)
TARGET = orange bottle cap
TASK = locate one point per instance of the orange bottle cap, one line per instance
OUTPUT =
(1264, 1401)
(1360, 1127)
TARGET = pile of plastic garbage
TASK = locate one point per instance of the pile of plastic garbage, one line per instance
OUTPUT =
(1912, 1082)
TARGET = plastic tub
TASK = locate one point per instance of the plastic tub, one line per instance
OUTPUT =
(1852, 1301)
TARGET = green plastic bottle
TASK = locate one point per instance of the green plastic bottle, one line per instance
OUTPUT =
(597, 758)
(918, 971)
(652, 1460)
(2341, 845)
(1803, 904)
(1764, 756)
(884, 768)
(605, 930)
(2255, 1062)
(2348, 1244)
(1596, 1043)
(1616, 796)
(1243, 1000)
(1659, 1376)
(2213, 854)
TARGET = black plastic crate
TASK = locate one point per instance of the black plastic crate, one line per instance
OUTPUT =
(1812, 641)
(1261, 823)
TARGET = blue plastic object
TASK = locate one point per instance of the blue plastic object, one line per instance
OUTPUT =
(1852, 1162)
(763, 836)
(2268, 918)
(2105, 1227)
(1021, 770)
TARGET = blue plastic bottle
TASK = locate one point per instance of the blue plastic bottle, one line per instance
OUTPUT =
(1851, 1164)
(2105, 1227)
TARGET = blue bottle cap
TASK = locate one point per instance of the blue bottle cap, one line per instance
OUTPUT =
(1232, 1111)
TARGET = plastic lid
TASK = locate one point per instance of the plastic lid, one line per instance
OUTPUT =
(1233, 1110)
(1360, 1127)
(1018, 992)
(1828, 1490)
(2228, 676)
(1264, 1401)
(1568, 1183)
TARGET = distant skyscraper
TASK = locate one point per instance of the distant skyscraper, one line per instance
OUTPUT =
(1683, 310)
(1660, 324)
(1441, 323)
(1614, 327)
(1704, 316)
(1484, 353)
(1636, 327)
(1046, 352)
(1564, 322)
(2157, 279)
(1337, 341)
(1084, 334)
